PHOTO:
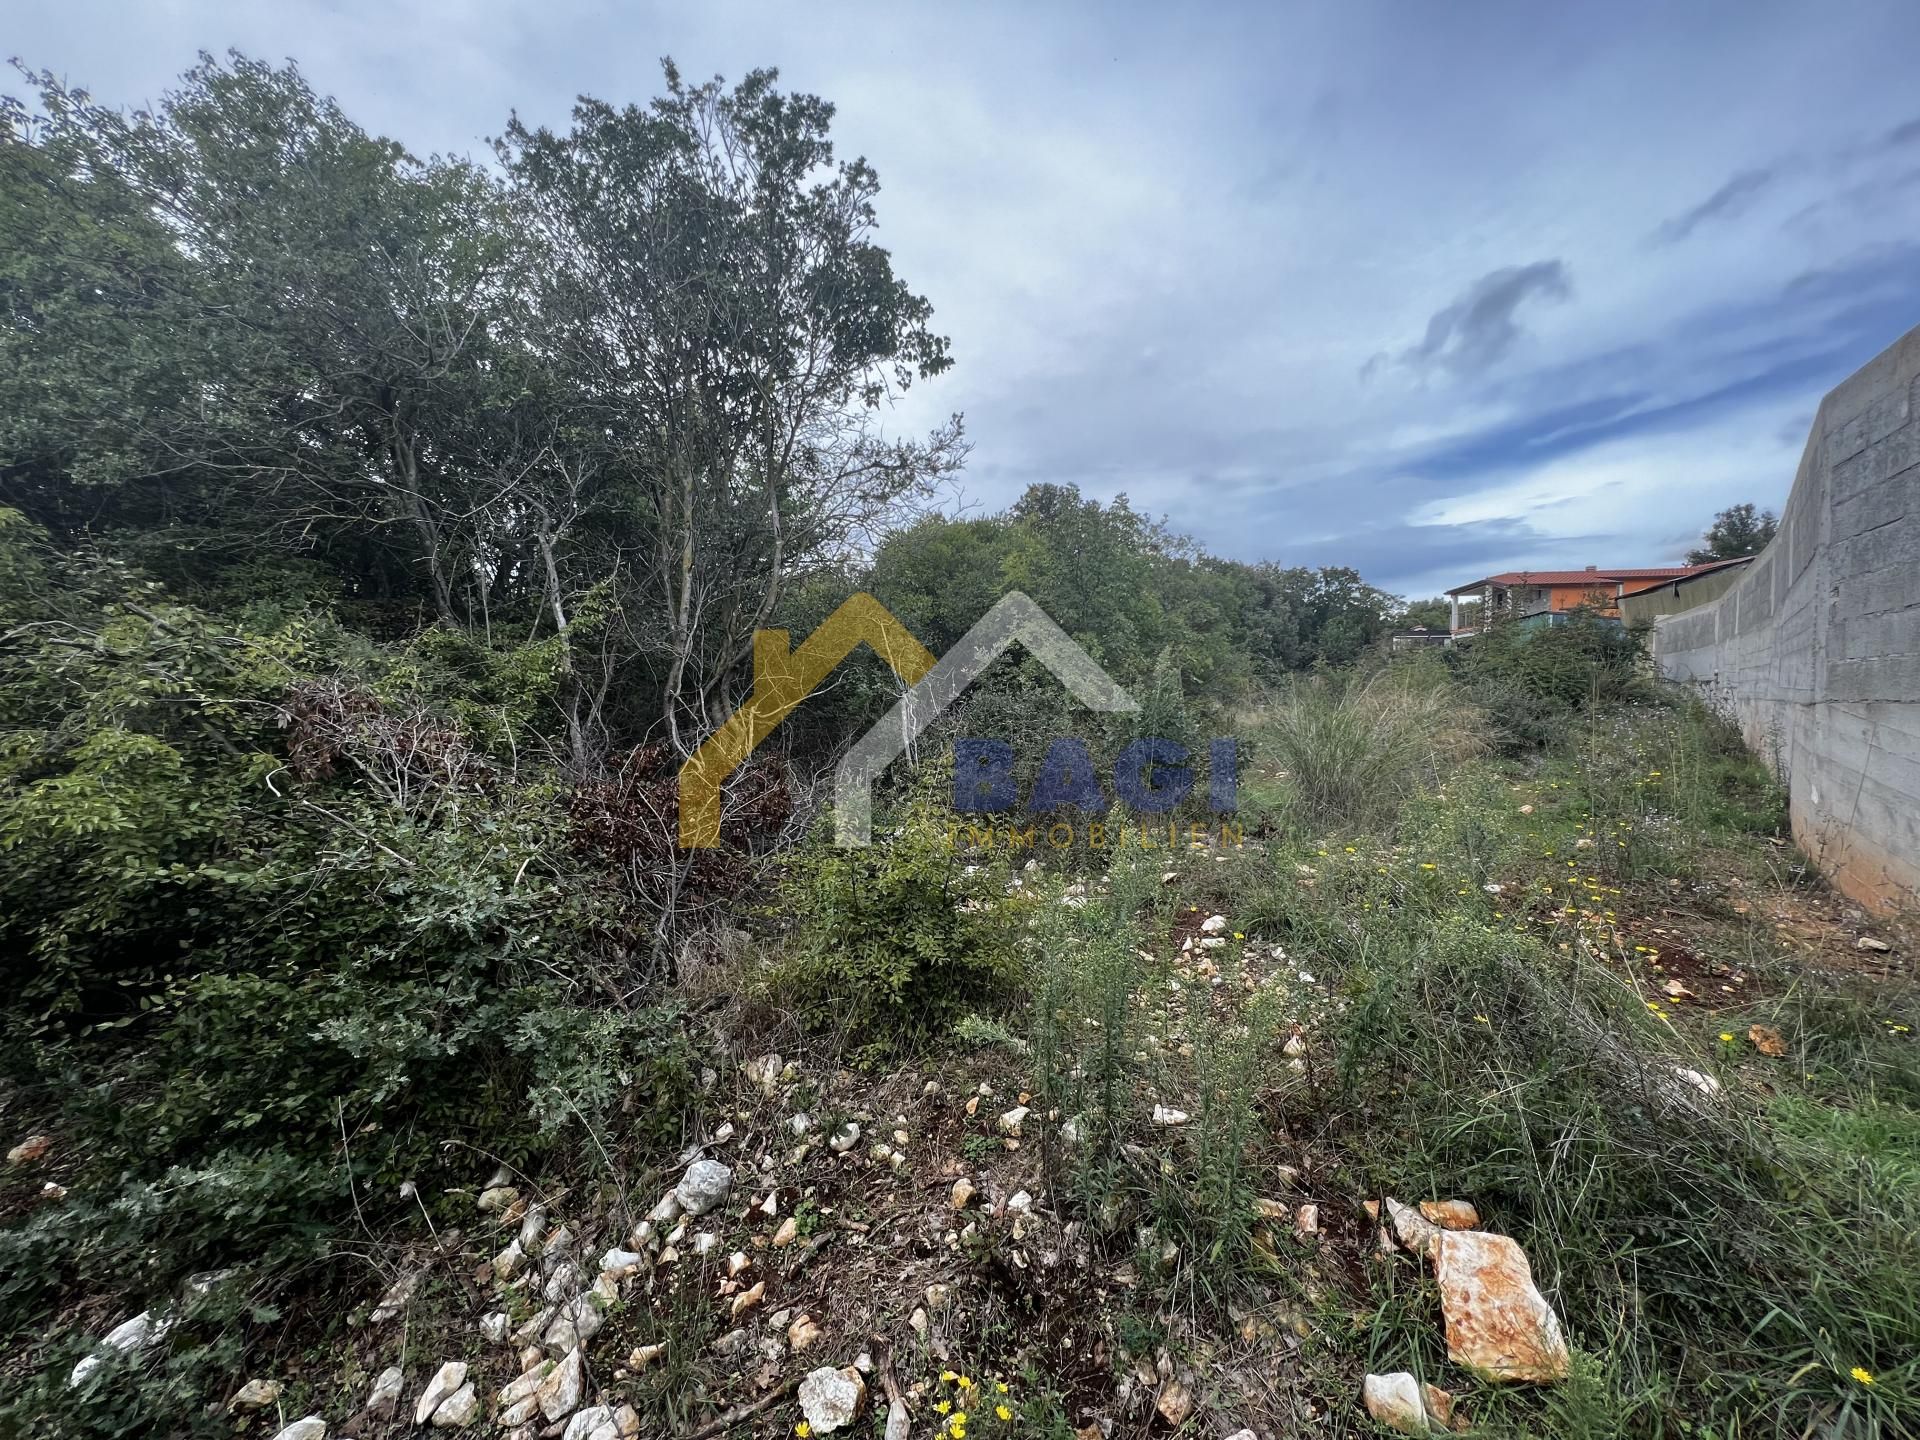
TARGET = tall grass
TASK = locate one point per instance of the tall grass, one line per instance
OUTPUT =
(1355, 750)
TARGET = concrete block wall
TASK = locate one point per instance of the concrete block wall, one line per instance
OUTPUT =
(1816, 649)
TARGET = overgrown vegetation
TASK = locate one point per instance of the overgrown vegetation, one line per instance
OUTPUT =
(380, 536)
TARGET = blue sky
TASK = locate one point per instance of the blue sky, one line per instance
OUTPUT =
(1431, 290)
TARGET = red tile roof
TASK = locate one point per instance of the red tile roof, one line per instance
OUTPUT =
(1588, 577)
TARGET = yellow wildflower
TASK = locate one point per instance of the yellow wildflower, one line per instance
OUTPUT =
(1862, 1374)
(942, 1407)
(1003, 1412)
(803, 1430)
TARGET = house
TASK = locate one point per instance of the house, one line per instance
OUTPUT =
(1543, 595)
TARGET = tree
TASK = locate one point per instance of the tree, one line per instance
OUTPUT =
(728, 330)
(1736, 531)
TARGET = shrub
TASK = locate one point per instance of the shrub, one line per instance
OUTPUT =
(1528, 678)
(894, 942)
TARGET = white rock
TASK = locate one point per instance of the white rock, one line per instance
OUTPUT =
(705, 1243)
(1167, 1115)
(1073, 1131)
(1019, 1202)
(445, 1382)
(1213, 924)
(384, 1398)
(528, 1385)
(311, 1428)
(830, 1399)
(562, 1283)
(1011, 1122)
(1873, 944)
(645, 1355)
(801, 1123)
(138, 1333)
(396, 1298)
(845, 1138)
(577, 1322)
(532, 1226)
(255, 1395)
(668, 1209)
(725, 1133)
(560, 1393)
(621, 1262)
(1705, 1084)
(494, 1327)
(508, 1262)
(496, 1199)
(1394, 1401)
(458, 1410)
(788, 1232)
(704, 1186)
(589, 1423)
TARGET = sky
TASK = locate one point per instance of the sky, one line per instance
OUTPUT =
(1433, 291)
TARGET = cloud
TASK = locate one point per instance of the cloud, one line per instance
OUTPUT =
(1729, 201)
(1476, 330)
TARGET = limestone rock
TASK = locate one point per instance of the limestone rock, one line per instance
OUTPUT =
(830, 1398)
(749, 1298)
(704, 1186)
(135, 1334)
(962, 1192)
(397, 1297)
(788, 1232)
(621, 1262)
(29, 1149)
(527, 1386)
(590, 1423)
(1498, 1325)
(1213, 924)
(560, 1393)
(1175, 1403)
(255, 1395)
(445, 1382)
(1403, 1404)
(508, 1262)
(1451, 1214)
(845, 1138)
(643, 1356)
(311, 1428)
(384, 1398)
(496, 1199)
(1167, 1115)
(458, 1410)
(1415, 1231)
(1011, 1122)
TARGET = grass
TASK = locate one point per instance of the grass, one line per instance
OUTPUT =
(1490, 946)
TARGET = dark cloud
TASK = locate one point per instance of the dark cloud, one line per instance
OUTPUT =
(1905, 134)
(1724, 204)
(1477, 329)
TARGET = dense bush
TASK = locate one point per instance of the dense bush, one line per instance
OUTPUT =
(1529, 678)
(279, 928)
(893, 942)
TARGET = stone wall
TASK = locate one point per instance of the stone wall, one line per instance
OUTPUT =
(1816, 649)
